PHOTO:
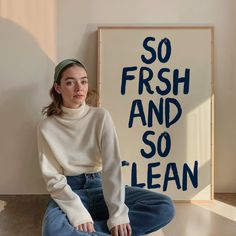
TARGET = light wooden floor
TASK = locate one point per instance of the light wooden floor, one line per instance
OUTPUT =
(217, 218)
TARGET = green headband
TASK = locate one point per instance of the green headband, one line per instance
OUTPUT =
(62, 65)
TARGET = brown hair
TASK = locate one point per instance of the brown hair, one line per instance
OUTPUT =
(54, 108)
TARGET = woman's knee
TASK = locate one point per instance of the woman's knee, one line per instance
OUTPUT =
(154, 204)
(160, 207)
(54, 221)
(167, 208)
(163, 204)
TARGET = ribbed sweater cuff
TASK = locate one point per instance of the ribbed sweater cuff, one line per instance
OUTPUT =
(117, 221)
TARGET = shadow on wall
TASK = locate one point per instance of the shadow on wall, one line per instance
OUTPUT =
(25, 80)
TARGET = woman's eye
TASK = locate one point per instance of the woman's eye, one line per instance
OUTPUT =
(84, 81)
(69, 83)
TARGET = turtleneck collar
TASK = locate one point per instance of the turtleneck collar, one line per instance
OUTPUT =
(75, 113)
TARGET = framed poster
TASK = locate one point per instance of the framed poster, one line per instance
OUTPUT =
(157, 83)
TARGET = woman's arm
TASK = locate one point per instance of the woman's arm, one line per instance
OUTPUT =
(111, 174)
(57, 185)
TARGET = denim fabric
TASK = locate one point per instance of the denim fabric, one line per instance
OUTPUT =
(148, 211)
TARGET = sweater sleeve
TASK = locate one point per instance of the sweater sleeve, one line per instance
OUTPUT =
(111, 175)
(57, 186)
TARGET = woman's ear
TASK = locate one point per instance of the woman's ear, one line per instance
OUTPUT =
(57, 88)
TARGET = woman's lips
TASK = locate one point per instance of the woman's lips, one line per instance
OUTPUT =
(78, 95)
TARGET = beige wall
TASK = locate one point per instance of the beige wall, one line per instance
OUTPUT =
(36, 34)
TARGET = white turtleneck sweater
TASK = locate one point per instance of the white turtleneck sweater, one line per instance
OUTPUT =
(82, 140)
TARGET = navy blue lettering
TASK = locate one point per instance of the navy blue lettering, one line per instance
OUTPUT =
(164, 80)
(149, 49)
(150, 144)
(137, 103)
(126, 77)
(167, 145)
(151, 176)
(192, 175)
(134, 181)
(145, 81)
(158, 112)
(175, 177)
(177, 80)
(166, 57)
(173, 101)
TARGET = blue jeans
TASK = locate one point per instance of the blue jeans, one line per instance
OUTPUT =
(148, 211)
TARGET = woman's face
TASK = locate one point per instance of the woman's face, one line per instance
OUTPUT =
(73, 86)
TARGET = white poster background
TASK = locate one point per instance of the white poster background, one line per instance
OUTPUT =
(191, 135)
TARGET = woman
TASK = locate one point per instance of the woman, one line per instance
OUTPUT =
(80, 161)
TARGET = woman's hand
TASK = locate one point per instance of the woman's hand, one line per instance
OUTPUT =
(87, 227)
(121, 230)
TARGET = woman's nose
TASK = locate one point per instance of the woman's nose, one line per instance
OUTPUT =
(77, 85)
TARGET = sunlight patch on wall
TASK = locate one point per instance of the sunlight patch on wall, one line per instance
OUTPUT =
(202, 193)
(36, 17)
(198, 121)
